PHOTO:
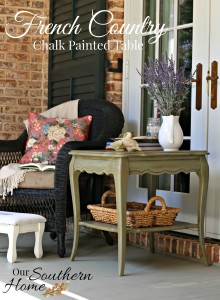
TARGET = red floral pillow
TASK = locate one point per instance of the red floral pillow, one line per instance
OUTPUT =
(46, 136)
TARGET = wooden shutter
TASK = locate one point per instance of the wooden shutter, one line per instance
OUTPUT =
(75, 74)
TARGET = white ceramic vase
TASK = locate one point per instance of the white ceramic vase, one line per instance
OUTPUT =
(170, 134)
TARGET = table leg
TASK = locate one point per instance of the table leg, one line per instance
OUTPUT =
(121, 178)
(151, 193)
(74, 183)
(203, 190)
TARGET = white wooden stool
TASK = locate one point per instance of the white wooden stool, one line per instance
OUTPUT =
(13, 223)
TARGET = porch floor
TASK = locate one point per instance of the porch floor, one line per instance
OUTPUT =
(147, 276)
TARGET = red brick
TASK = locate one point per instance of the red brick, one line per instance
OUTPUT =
(29, 102)
(24, 48)
(13, 127)
(8, 83)
(115, 36)
(167, 244)
(36, 76)
(30, 84)
(34, 108)
(112, 5)
(7, 101)
(36, 93)
(208, 249)
(45, 93)
(45, 85)
(110, 76)
(7, 11)
(7, 65)
(138, 239)
(8, 118)
(7, 47)
(194, 253)
(18, 57)
(132, 238)
(118, 15)
(215, 253)
(8, 136)
(187, 250)
(2, 74)
(174, 245)
(180, 243)
(114, 86)
(16, 110)
(19, 3)
(17, 74)
(16, 92)
(160, 243)
(38, 4)
(30, 67)
(143, 239)
(36, 58)
(24, 40)
(21, 118)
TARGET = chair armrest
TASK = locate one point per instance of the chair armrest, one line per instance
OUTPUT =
(62, 168)
(17, 145)
(11, 151)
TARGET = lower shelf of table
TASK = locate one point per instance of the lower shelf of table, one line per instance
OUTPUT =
(114, 228)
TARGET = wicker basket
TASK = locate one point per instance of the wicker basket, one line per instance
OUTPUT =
(137, 214)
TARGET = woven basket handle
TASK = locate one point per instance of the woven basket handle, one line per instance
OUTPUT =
(105, 195)
(151, 201)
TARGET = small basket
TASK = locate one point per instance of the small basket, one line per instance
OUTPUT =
(137, 214)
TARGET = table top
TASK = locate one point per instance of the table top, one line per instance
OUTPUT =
(121, 154)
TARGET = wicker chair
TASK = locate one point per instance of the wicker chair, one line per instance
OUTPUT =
(56, 204)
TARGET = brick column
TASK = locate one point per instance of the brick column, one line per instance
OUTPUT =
(23, 70)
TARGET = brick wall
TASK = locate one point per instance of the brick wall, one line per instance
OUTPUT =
(114, 80)
(184, 245)
(23, 71)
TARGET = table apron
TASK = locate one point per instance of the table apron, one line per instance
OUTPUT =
(166, 166)
(141, 166)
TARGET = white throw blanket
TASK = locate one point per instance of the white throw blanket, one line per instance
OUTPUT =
(10, 177)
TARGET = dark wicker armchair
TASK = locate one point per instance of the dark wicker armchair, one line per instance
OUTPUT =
(55, 204)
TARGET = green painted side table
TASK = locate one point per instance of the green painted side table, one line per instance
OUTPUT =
(120, 165)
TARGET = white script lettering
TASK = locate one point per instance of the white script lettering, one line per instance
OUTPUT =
(146, 28)
(39, 23)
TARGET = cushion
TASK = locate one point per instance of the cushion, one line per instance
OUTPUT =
(68, 110)
(13, 218)
(46, 136)
(38, 180)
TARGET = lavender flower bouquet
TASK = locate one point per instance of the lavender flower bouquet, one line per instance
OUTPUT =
(165, 85)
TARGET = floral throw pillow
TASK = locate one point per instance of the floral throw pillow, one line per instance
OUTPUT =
(46, 136)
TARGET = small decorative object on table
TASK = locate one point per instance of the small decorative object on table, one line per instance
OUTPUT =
(137, 214)
(127, 143)
(169, 88)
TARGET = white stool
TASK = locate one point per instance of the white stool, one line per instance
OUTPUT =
(13, 223)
